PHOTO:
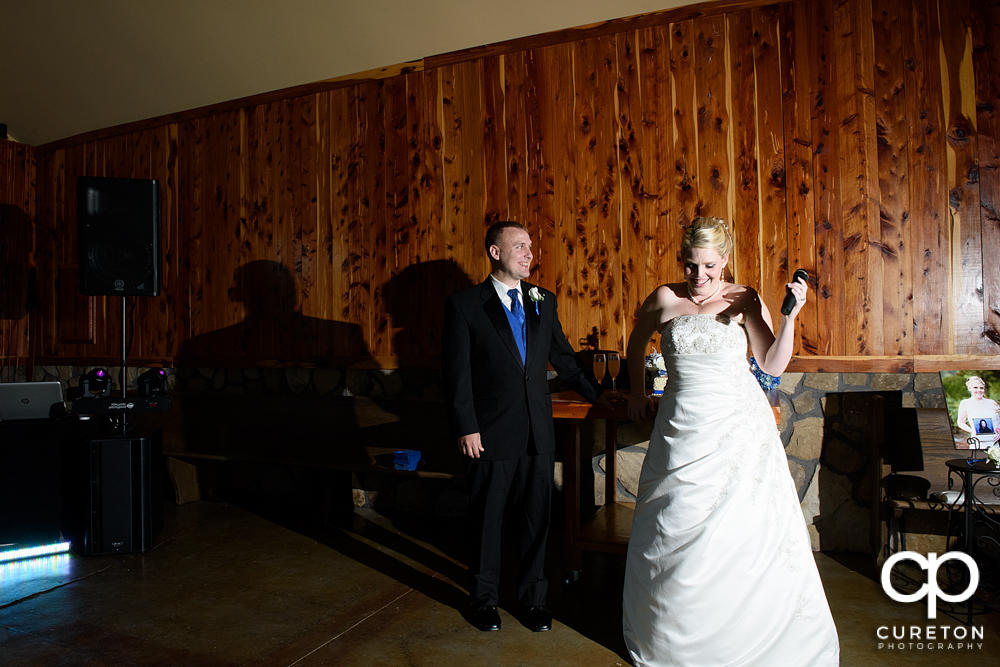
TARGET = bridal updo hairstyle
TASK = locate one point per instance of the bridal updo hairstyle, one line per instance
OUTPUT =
(707, 233)
(974, 380)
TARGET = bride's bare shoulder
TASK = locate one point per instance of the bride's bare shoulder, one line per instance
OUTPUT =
(664, 295)
(671, 291)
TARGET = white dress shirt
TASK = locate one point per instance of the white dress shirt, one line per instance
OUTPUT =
(502, 291)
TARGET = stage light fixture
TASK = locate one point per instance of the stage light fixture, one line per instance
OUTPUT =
(95, 382)
(151, 382)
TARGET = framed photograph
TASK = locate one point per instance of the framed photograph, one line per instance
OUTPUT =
(973, 399)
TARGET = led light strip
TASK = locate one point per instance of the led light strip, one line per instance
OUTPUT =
(31, 552)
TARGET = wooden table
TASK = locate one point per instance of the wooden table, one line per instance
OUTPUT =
(608, 530)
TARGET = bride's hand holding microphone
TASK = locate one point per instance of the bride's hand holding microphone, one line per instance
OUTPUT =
(796, 297)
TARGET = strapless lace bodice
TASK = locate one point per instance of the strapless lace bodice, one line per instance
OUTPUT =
(702, 334)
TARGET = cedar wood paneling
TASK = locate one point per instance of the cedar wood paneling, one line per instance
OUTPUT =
(834, 136)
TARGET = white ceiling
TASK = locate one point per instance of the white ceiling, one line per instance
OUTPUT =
(70, 66)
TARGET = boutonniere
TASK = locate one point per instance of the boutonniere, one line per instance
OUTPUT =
(536, 296)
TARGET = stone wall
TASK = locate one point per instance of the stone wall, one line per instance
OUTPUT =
(13, 373)
(282, 381)
(828, 455)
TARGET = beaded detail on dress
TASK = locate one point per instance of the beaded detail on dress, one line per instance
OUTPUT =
(702, 334)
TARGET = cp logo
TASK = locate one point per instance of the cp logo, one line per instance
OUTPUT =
(930, 589)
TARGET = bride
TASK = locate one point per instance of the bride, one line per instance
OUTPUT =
(720, 569)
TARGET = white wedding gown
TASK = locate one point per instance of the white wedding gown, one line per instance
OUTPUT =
(720, 570)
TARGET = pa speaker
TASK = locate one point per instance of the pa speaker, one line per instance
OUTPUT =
(120, 508)
(118, 222)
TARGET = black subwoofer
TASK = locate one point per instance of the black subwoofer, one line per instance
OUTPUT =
(118, 222)
(118, 507)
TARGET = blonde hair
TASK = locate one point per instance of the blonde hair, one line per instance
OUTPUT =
(974, 379)
(707, 233)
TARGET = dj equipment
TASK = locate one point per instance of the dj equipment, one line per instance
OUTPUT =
(30, 400)
(116, 405)
(114, 499)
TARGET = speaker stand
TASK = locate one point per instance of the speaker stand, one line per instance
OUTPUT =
(122, 427)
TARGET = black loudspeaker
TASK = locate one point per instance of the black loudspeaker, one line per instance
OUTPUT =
(121, 504)
(118, 220)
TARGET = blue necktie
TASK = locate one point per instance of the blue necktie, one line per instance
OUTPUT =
(518, 312)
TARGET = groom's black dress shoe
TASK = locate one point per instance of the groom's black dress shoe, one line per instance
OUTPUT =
(486, 618)
(537, 619)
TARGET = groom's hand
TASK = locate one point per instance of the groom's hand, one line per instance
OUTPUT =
(470, 445)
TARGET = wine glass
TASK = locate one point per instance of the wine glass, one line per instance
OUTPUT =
(614, 365)
(600, 364)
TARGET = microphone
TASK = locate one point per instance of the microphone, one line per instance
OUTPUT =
(789, 302)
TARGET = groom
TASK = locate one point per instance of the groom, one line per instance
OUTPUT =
(498, 340)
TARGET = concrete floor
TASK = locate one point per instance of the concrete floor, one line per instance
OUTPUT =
(227, 585)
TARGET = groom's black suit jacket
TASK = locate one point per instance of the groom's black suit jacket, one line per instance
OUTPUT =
(488, 389)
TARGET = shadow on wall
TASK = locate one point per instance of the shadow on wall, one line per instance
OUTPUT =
(15, 270)
(837, 504)
(261, 420)
(414, 300)
(274, 326)
(257, 421)
(16, 287)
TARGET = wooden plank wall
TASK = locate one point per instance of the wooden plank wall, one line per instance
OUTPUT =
(854, 138)
(17, 213)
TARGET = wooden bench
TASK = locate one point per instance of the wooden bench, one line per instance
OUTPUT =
(357, 434)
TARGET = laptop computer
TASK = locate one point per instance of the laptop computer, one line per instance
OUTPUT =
(30, 400)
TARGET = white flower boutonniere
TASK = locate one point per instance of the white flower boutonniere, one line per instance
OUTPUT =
(536, 296)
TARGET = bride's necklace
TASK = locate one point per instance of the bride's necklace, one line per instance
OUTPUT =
(698, 301)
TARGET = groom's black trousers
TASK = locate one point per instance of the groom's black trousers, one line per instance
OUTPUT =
(525, 485)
